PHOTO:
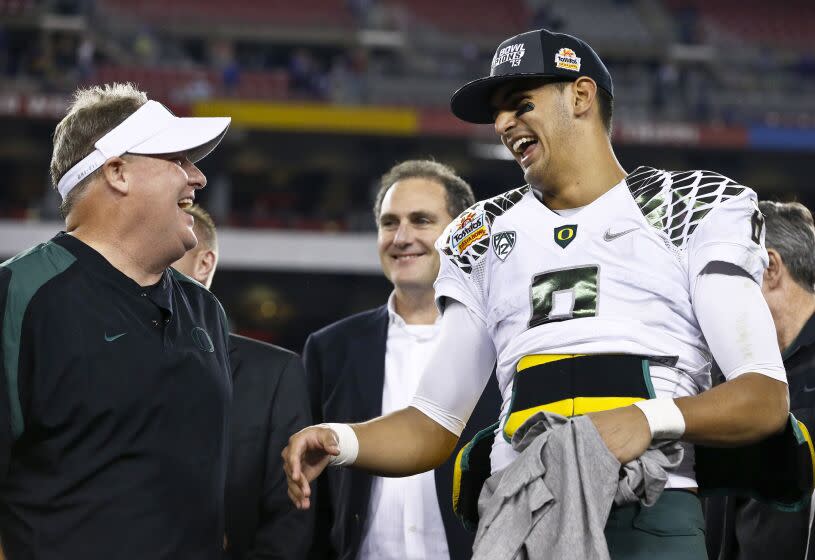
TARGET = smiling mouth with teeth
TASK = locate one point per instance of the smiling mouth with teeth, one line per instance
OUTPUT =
(185, 203)
(521, 145)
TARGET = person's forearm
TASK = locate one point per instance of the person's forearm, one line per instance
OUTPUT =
(738, 412)
(403, 443)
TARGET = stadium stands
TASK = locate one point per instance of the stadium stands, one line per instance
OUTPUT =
(468, 16)
(277, 13)
(789, 25)
(188, 84)
(682, 68)
(603, 22)
(12, 8)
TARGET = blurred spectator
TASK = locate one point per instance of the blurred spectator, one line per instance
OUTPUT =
(145, 45)
(544, 18)
(304, 74)
(688, 25)
(198, 88)
(5, 58)
(360, 10)
(85, 57)
(347, 79)
(222, 57)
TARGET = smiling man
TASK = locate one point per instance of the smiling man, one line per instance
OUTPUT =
(616, 292)
(370, 364)
(114, 368)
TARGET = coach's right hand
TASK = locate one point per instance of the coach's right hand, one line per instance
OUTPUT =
(308, 453)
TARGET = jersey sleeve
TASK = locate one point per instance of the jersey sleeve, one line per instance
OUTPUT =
(738, 327)
(466, 352)
(463, 254)
(731, 235)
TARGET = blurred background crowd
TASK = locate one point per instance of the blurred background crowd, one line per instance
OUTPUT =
(326, 95)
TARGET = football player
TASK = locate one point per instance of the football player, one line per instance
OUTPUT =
(597, 291)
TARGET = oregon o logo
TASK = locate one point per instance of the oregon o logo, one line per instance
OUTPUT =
(202, 339)
(565, 234)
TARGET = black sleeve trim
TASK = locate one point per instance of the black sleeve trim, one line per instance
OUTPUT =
(725, 268)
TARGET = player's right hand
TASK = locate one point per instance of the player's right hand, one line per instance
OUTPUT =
(304, 458)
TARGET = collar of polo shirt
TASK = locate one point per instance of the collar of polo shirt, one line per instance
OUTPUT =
(152, 129)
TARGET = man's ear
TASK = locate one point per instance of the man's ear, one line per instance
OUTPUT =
(113, 170)
(775, 271)
(585, 95)
(205, 263)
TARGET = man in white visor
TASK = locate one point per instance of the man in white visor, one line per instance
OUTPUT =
(114, 371)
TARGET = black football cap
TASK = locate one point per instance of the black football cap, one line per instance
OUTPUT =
(534, 54)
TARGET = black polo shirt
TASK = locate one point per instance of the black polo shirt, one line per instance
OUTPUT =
(113, 410)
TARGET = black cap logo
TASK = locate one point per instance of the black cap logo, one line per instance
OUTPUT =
(531, 55)
(511, 53)
(567, 59)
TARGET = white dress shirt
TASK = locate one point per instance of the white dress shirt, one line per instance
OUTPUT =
(404, 519)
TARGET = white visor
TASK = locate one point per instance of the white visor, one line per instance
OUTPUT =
(151, 130)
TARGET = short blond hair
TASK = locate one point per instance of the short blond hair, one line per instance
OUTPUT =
(94, 112)
(204, 228)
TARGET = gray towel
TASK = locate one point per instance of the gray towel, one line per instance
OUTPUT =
(554, 499)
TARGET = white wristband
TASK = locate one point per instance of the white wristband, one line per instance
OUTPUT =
(664, 418)
(347, 442)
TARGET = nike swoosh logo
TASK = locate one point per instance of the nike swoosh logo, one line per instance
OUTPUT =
(114, 337)
(808, 389)
(608, 236)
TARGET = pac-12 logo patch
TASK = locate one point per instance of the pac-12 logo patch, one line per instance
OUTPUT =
(567, 59)
(565, 234)
(470, 228)
(503, 243)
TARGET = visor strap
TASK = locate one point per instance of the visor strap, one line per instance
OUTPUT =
(74, 175)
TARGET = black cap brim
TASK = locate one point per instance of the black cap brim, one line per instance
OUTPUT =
(472, 102)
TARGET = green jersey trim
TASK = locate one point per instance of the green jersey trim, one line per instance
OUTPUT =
(29, 272)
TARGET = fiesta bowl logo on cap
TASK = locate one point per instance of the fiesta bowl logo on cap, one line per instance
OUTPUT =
(469, 229)
(512, 54)
(567, 59)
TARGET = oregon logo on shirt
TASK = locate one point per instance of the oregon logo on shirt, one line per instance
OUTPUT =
(565, 234)
(202, 339)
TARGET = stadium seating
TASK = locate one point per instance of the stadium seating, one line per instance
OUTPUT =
(474, 16)
(602, 22)
(11, 8)
(186, 84)
(789, 24)
(277, 13)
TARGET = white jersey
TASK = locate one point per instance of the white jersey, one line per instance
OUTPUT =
(616, 276)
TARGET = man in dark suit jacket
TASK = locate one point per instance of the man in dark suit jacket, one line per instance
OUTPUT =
(269, 403)
(346, 362)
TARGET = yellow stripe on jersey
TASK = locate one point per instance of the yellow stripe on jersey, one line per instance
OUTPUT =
(575, 384)
(808, 438)
(567, 407)
(537, 359)
(457, 478)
